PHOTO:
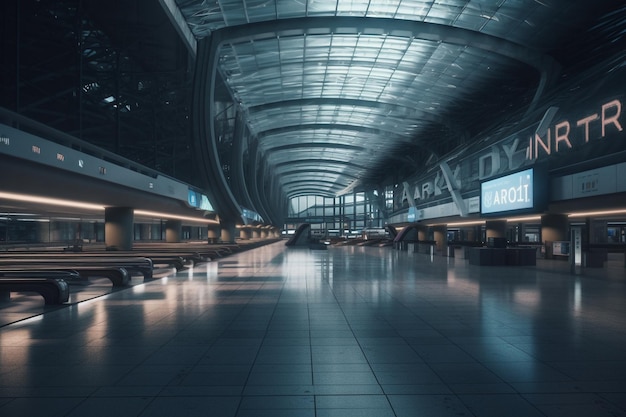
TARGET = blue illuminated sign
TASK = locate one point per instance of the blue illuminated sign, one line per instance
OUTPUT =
(192, 198)
(508, 193)
(205, 204)
(412, 215)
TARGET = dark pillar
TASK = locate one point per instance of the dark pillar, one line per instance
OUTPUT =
(213, 234)
(173, 230)
(422, 233)
(118, 228)
(245, 233)
(440, 238)
(554, 227)
(228, 232)
(495, 228)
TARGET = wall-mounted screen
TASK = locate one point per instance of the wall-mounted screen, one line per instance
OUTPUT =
(511, 193)
(192, 198)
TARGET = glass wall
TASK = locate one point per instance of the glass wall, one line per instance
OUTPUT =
(339, 216)
(29, 229)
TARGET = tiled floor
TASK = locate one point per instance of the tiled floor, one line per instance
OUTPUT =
(352, 331)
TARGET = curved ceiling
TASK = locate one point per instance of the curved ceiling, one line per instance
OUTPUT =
(337, 93)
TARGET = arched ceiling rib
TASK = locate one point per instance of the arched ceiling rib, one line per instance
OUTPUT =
(341, 88)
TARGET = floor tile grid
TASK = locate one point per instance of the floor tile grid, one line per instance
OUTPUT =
(401, 320)
(432, 396)
(570, 385)
(439, 398)
(364, 402)
(271, 361)
(500, 383)
(168, 389)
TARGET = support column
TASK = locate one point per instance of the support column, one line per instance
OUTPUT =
(255, 233)
(495, 228)
(422, 233)
(495, 233)
(118, 228)
(173, 230)
(440, 237)
(228, 232)
(213, 234)
(245, 233)
(553, 229)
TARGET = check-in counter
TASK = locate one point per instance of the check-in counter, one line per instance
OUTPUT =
(426, 246)
(503, 256)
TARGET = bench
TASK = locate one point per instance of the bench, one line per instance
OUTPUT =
(169, 259)
(118, 276)
(140, 265)
(53, 290)
(64, 274)
(178, 257)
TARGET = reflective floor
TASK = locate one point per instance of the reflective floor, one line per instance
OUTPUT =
(352, 331)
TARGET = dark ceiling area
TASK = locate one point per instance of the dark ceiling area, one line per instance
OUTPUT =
(112, 73)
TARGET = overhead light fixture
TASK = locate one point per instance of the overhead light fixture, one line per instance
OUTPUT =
(597, 213)
(94, 207)
(52, 201)
(174, 217)
(523, 219)
(469, 223)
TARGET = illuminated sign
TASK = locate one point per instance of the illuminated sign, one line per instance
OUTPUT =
(509, 193)
(205, 204)
(412, 216)
(565, 134)
(192, 198)
(564, 127)
(198, 200)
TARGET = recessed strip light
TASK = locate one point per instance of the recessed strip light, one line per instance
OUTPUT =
(469, 223)
(52, 201)
(523, 219)
(597, 213)
(174, 216)
(482, 222)
(27, 198)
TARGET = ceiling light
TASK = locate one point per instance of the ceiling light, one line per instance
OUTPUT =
(468, 223)
(174, 216)
(597, 213)
(52, 201)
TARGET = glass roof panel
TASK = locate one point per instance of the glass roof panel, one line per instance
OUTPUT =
(286, 9)
(382, 86)
(393, 122)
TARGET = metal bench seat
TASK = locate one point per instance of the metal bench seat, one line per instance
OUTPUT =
(53, 290)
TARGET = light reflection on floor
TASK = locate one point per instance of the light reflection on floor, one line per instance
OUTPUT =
(349, 331)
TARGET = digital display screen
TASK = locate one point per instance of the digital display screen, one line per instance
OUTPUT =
(192, 198)
(205, 204)
(412, 215)
(508, 193)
